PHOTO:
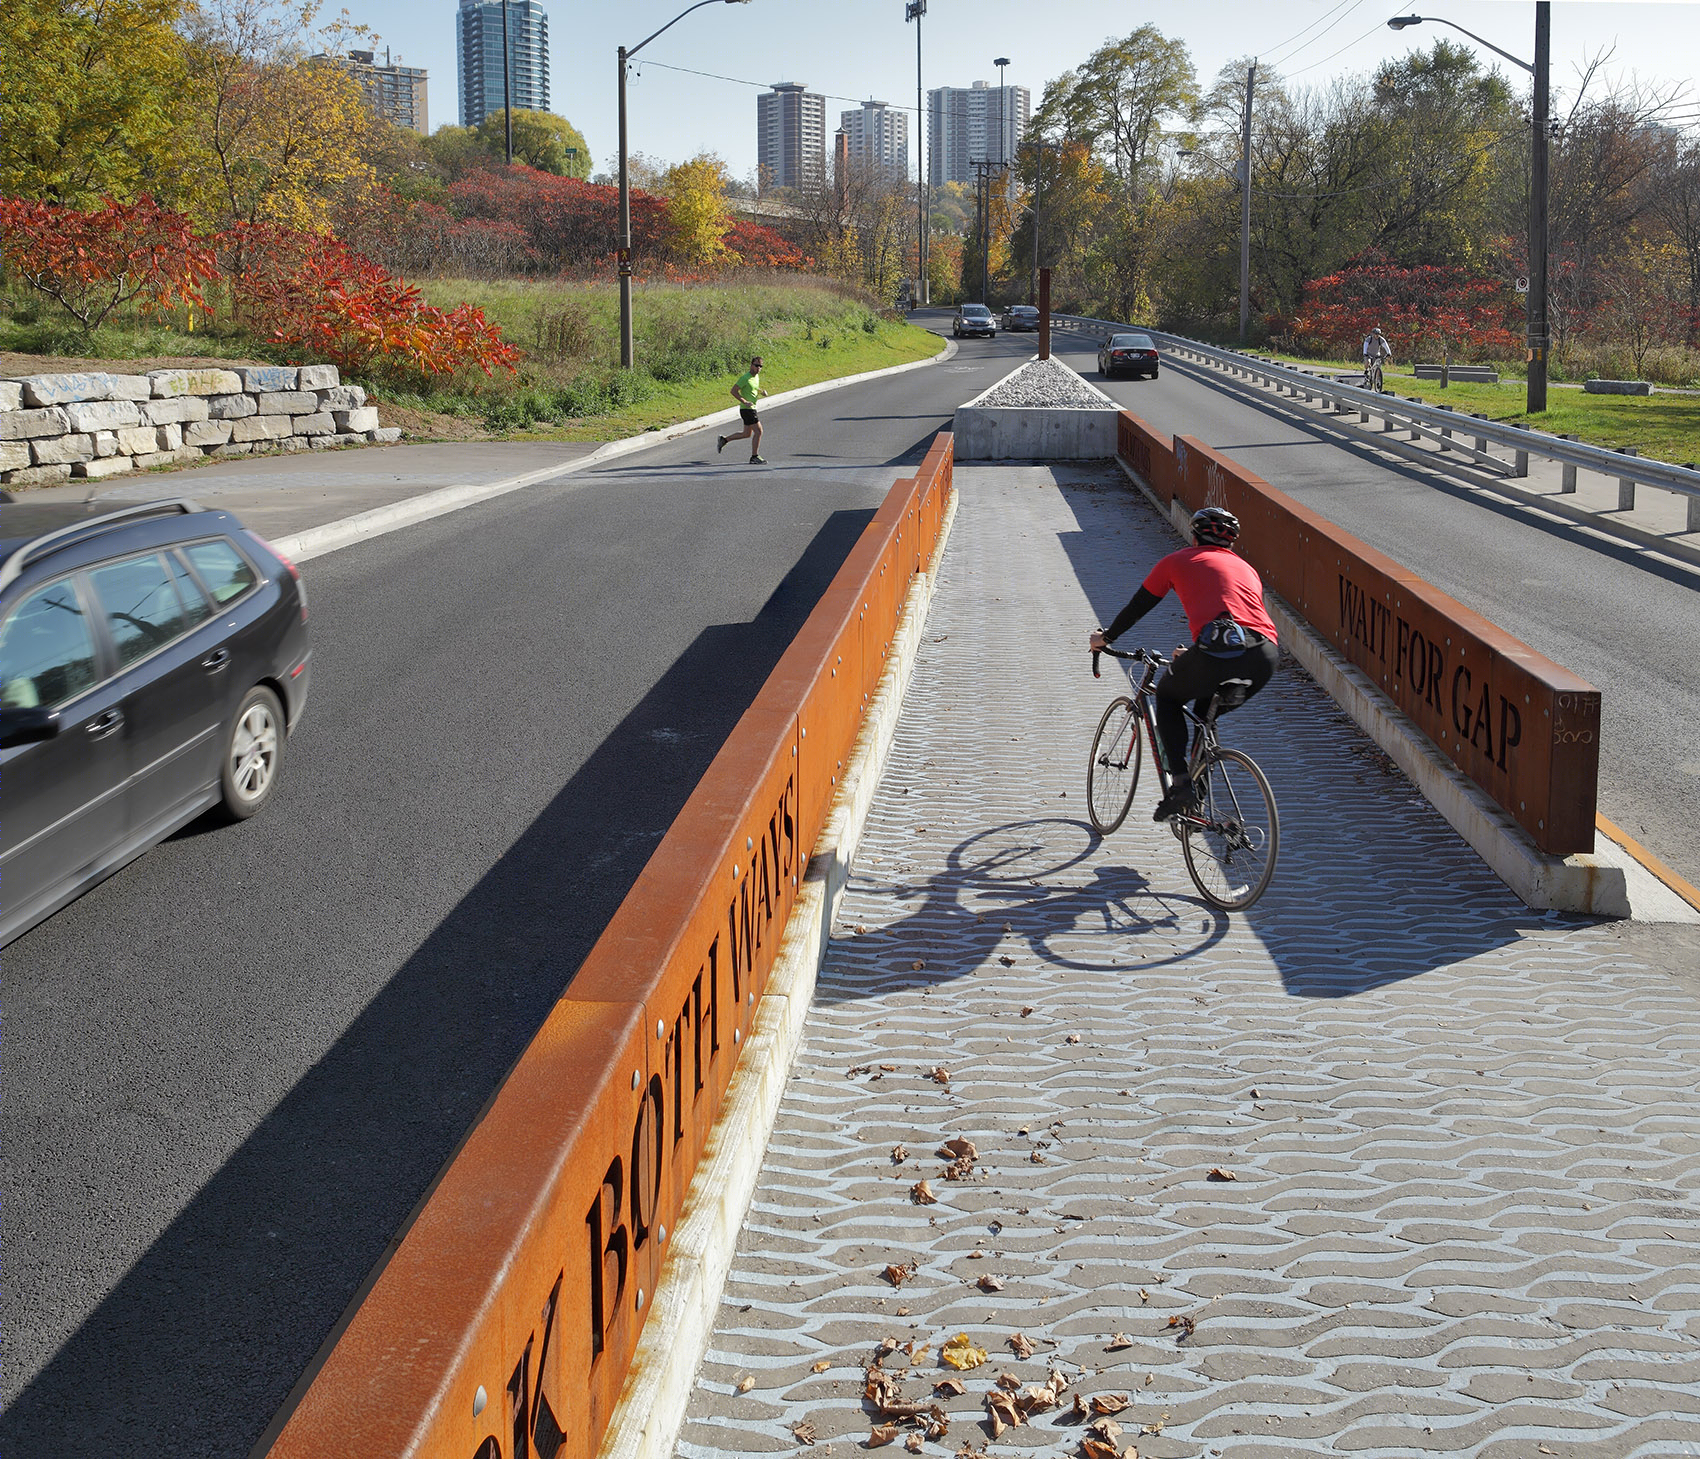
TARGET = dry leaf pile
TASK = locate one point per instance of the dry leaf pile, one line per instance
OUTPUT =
(961, 1154)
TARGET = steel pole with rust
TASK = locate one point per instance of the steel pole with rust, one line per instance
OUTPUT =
(1044, 314)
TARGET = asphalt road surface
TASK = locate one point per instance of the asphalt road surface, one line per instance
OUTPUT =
(231, 1070)
(1625, 619)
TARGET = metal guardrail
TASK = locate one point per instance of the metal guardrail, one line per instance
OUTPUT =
(1446, 426)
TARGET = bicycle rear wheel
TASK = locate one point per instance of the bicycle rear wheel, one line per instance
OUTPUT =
(1232, 839)
(1112, 774)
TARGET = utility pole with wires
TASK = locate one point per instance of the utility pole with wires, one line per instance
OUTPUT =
(1245, 204)
(983, 169)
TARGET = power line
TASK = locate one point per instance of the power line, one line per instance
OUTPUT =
(1343, 49)
(1296, 34)
(759, 85)
(1319, 35)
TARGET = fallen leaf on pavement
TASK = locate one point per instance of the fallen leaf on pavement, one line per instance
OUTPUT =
(959, 1149)
(1256, 1095)
(889, 1068)
(1037, 1399)
(1186, 1325)
(1035, 1158)
(989, 1283)
(937, 1427)
(1008, 962)
(745, 1384)
(1020, 1345)
(917, 965)
(1073, 1038)
(1216, 1172)
(1109, 1403)
(883, 1435)
(1091, 1448)
(961, 1354)
(922, 1194)
(1107, 1429)
(1117, 1342)
(1080, 1409)
(804, 1432)
(898, 1275)
(899, 1153)
(950, 1387)
(1144, 1296)
(940, 1076)
(913, 1443)
(860, 929)
(821, 1366)
(1003, 1411)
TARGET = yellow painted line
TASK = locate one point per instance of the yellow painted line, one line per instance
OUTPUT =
(1686, 890)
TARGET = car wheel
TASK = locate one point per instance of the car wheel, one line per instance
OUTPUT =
(253, 754)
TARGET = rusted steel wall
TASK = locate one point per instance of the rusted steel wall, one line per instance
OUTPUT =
(1520, 726)
(504, 1322)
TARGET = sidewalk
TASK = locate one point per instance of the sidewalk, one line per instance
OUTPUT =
(1464, 1212)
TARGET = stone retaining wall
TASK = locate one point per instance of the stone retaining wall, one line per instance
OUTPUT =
(93, 425)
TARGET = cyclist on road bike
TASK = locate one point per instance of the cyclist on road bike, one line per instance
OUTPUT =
(1234, 638)
(1376, 349)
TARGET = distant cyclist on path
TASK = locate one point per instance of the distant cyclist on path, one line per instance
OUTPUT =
(746, 390)
(1376, 350)
(1233, 636)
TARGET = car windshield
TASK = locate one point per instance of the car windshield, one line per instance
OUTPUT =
(975, 311)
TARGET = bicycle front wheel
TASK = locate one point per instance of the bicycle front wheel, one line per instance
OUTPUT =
(1112, 774)
(1233, 837)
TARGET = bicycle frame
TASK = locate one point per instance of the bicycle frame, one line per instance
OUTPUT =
(1144, 695)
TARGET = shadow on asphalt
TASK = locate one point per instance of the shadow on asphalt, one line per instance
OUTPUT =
(195, 1349)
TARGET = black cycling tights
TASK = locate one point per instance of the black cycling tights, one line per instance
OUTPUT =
(1197, 675)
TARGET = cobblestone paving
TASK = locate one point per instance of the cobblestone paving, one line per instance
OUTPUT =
(1465, 1208)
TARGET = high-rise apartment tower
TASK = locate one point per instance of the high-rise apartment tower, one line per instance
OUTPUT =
(877, 135)
(979, 123)
(790, 135)
(396, 92)
(478, 46)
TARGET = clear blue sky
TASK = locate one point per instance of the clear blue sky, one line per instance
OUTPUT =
(861, 48)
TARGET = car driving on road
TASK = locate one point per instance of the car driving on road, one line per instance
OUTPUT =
(1133, 354)
(974, 319)
(153, 662)
(1021, 316)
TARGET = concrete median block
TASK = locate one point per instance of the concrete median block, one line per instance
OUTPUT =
(205, 433)
(55, 449)
(361, 420)
(1034, 434)
(317, 377)
(176, 411)
(102, 415)
(1617, 387)
(263, 379)
(39, 475)
(28, 425)
(231, 407)
(98, 470)
(288, 402)
(169, 383)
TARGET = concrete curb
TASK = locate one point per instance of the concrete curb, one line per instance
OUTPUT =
(652, 1406)
(1035, 433)
(362, 527)
(1607, 883)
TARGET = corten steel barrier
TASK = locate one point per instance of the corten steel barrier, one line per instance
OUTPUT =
(1523, 728)
(503, 1323)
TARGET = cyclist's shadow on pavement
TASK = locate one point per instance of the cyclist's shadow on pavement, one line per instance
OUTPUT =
(1037, 896)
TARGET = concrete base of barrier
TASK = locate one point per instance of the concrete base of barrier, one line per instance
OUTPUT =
(646, 1423)
(1037, 433)
(1606, 884)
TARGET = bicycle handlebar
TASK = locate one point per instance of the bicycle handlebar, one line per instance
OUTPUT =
(1139, 655)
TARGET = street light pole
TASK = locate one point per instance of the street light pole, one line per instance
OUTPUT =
(1535, 316)
(1003, 113)
(914, 10)
(624, 260)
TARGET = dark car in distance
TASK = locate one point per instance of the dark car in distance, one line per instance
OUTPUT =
(1021, 316)
(153, 662)
(974, 319)
(1133, 354)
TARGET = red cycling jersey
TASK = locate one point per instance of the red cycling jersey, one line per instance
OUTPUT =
(1212, 581)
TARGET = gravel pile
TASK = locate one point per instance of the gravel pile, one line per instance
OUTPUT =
(1048, 383)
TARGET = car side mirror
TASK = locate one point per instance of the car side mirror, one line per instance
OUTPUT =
(27, 726)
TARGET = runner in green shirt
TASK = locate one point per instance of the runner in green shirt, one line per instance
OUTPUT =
(746, 390)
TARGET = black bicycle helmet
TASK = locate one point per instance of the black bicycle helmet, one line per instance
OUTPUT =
(1215, 527)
